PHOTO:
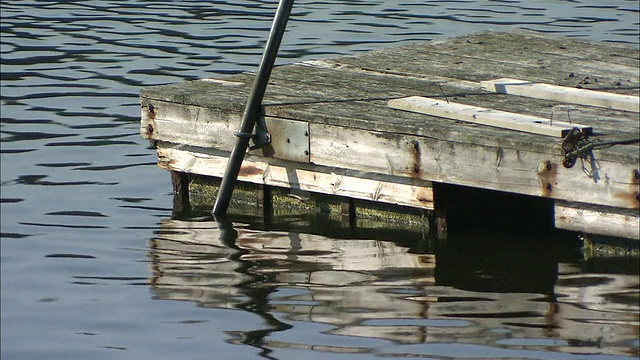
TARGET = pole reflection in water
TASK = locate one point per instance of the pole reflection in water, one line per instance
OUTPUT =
(256, 296)
(366, 296)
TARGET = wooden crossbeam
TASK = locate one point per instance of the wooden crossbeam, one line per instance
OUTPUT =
(485, 116)
(602, 220)
(376, 187)
(563, 94)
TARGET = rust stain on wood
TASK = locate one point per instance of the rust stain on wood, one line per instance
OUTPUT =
(415, 151)
(167, 162)
(424, 196)
(499, 156)
(249, 170)
(150, 117)
(548, 174)
(631, 198)
(151, 111)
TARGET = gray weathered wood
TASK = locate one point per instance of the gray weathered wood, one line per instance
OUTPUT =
(522, 55)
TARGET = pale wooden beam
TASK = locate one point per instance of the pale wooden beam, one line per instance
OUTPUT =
(563, 94)
(624, 223)
(485, 116)
(377, 188)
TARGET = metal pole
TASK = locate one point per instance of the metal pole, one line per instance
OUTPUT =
(252, 110)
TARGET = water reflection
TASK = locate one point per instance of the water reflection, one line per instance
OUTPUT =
(80, 190)
(382, 298)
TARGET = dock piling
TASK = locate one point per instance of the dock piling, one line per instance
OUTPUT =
(181, 203)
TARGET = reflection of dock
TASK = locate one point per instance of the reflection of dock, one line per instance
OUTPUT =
(189, 262)
(352, 127)
(379, 290)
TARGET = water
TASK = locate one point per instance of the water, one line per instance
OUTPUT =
(92, 267)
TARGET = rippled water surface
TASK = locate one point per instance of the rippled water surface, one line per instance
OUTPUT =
(93, 267)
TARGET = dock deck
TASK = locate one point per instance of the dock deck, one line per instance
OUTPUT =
(336, 128)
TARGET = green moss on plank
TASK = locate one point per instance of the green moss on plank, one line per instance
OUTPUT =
(291, 203)
(599, 246)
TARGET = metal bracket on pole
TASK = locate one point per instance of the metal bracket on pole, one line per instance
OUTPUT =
(253, 108)
(260, 138)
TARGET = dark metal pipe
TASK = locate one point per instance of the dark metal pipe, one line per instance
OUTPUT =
(252, 110)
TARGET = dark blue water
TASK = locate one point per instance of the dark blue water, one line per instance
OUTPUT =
(92, 267)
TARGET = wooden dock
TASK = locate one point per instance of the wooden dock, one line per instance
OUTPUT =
(488, 112)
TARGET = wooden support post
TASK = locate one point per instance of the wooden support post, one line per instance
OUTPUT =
(439, 197)
(348, 216)
(264, 203)
(181, 204)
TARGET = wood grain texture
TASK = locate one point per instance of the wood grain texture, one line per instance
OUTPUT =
(258, 170)
(496, 167)
(597, 220)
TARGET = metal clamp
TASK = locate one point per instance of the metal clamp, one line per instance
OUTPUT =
(260, 138)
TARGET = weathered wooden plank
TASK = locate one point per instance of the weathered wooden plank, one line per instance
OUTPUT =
(188, 124)
(257, 170)
(541, 45)
(499, 166)
(563, 94)
(323, 95)
(209, 127)
(473, 58)
(374, 89)
(377, 116)
(474, 157)
(478, 161)
(597, 220)
(485, 116)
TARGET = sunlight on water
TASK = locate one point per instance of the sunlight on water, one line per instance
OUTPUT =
(93, 269)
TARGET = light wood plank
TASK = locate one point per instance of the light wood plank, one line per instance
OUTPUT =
(485, 116)
(189, 124)
(563, 94)
(498, 166)
(597, 220)
(258, 171)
